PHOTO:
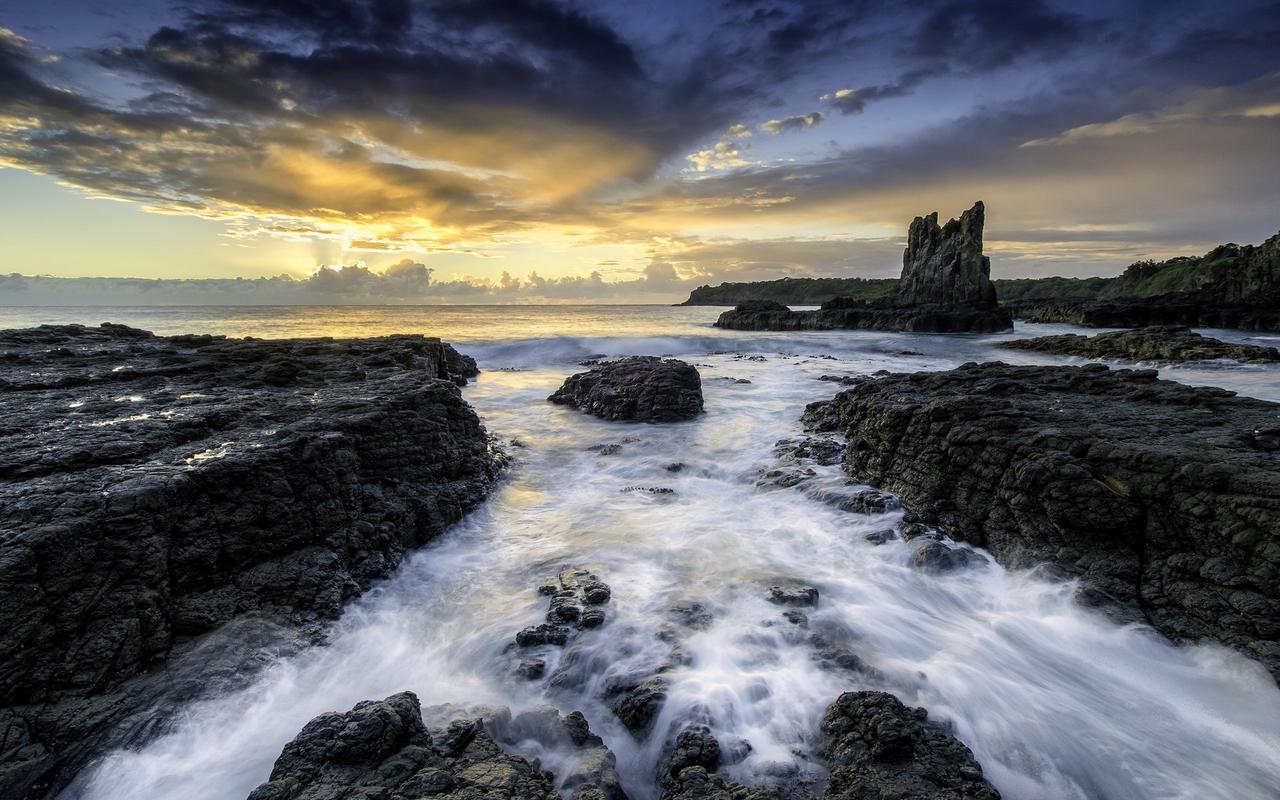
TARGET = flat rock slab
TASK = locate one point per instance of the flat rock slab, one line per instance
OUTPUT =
(158, 488)
(1169, 343)
(635, 389)
(1165, 498)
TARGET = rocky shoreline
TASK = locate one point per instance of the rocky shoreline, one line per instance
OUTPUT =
(1163, 498)
(178, 506)
(1170, 343)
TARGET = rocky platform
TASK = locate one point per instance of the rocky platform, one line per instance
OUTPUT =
(176, 506)
(1164, 498)
(876, 315)
(635, 389)
(1199, 310)
(945, 288)
(1170, 343)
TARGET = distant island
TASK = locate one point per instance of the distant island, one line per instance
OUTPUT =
(1230, 286)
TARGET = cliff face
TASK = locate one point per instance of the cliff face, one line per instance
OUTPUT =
(159, 489)
(944, 265)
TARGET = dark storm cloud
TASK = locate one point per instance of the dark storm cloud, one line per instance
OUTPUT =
(549, 27)
(994, 33)
(854, 101)
(332, 20)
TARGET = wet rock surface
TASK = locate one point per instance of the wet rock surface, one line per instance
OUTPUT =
(158, 489)
(1184, 309)
(945, 288)
(382, 748)
(1165, 498)
(1169, 343)
(876, 747)
(635, 389)
(576, 596)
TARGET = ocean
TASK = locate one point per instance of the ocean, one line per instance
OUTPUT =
(1055, 700)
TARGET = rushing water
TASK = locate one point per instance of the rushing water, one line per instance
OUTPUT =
(1055, 701)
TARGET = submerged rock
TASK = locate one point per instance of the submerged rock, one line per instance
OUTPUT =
(1164, 498)
(1170, 343)
(876, 747)
(158, 489)
(636, 389)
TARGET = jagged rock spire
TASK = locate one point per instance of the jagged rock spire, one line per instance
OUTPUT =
(945, 265)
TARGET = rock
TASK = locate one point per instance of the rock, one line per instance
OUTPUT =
(794, 595)
(576, 595)
(856, 499)
(592, 771)
(382, 749)
(687, 770)
(822, 450)
(1169, 343)
(945, 288)
(637, 703)
(544, 634)
(694, 747)
(820, 417)
(881, 536)
(935, 557)
(158, 489)
(876, 747)
(944, 266)
(636, 389)
(1163, 498)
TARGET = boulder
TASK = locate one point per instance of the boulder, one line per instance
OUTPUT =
(879, 749)
(635, 389)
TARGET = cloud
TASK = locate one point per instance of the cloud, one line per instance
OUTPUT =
(854, 101)
(980, 37)
(724, 154)
(797, 123)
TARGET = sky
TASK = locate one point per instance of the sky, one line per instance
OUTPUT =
(560, 150)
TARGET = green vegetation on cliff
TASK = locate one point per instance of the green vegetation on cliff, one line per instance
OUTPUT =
(791, 291)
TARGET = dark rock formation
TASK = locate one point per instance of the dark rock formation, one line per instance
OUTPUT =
(879, 749)
(159, 489)
(637, 389)
(875, 748)
(382, 748)
(944, 266)
(1185, 309)
(576, 596)
(637, 701)
(1165, 498)
(1160, 343)
(945, 288)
